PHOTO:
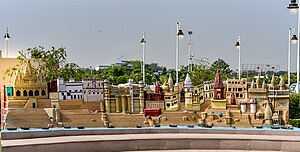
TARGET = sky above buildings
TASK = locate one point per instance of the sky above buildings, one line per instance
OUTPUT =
(101, 31)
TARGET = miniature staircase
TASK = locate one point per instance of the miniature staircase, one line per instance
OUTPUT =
(177, 118)
(80, 117)
(126, 120)
(29, 117)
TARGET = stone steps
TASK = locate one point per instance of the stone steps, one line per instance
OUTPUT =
(124, 120)
(31, 117)
(177, 118)
(80, 117)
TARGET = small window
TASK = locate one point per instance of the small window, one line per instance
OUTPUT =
(18, 93)
(43, 92)
(30, 93)
(36, 93)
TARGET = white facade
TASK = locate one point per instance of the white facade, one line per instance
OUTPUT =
(69, 90)
(92, 89)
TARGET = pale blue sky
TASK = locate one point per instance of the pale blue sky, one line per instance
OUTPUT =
(262, 24)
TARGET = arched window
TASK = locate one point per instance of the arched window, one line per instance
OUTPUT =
(18, 93)
(30, 93)
(36, 93)
(43, 92)
(24, 93)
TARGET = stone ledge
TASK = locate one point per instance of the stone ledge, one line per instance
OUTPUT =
(130, 142)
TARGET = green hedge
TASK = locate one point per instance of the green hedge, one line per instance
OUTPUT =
(295, 122)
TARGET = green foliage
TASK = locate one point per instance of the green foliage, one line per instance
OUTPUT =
(294, 122)
(122, 79)
(201, 72)
(294, 106)
(223, 66)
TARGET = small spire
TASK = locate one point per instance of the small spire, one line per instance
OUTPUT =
(170, 83)
(281, 83)
(252, 84)
(258, 81)
(264, 86)
(273, 81)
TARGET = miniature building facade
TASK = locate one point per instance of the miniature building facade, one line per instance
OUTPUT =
(125, 98)
(92, 89)
(69, 90)
(238, 89)
(29, 84)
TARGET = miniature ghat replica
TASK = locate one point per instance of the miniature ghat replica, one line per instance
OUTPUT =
(31, 102)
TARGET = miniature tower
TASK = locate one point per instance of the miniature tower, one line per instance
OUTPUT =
(219, 102)
(170, 83)
(258, 82)
(268, 114)
(106, 96)
(219, 87)
(188, 92)
(188, 83)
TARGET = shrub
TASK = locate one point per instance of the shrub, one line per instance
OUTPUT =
(295, 122)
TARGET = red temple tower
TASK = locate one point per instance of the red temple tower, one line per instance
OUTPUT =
(218, 87)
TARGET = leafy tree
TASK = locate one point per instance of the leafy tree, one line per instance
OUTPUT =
(223, 66)
(294, 106)
(201, 72)
(50, 61)
(122, 79)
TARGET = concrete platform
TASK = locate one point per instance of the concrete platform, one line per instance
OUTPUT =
(150, 142)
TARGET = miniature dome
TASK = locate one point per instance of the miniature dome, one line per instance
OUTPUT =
(188, 83)
(268, 112)
(165, 87)
(106, 81)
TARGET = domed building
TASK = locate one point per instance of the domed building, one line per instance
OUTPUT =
(29, 83)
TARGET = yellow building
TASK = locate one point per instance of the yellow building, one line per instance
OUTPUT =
(29, 84)
(238, 88)
(171, 96)
(125, 98)
(193, 95)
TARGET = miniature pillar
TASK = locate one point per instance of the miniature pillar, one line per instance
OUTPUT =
(123, 104)
(243, 107)
(107, 104)
(128, 104)
(141, 104)
(102, 106)
(117, 103)
(253, 107)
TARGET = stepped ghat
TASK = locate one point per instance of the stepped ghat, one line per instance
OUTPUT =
(97, 103)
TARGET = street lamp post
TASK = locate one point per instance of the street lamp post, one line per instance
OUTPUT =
(6, 38)
(293, 8)
(180, 35)
(294, 40)
(238, 46)
(190, 62)
(143, 42)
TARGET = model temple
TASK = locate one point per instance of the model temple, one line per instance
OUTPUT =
(94, 102)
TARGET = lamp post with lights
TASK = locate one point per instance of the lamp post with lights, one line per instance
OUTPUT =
(6, 39)
(238, 46)
(143, 42)
(293, 8)
(179, 36)
(294, 40)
